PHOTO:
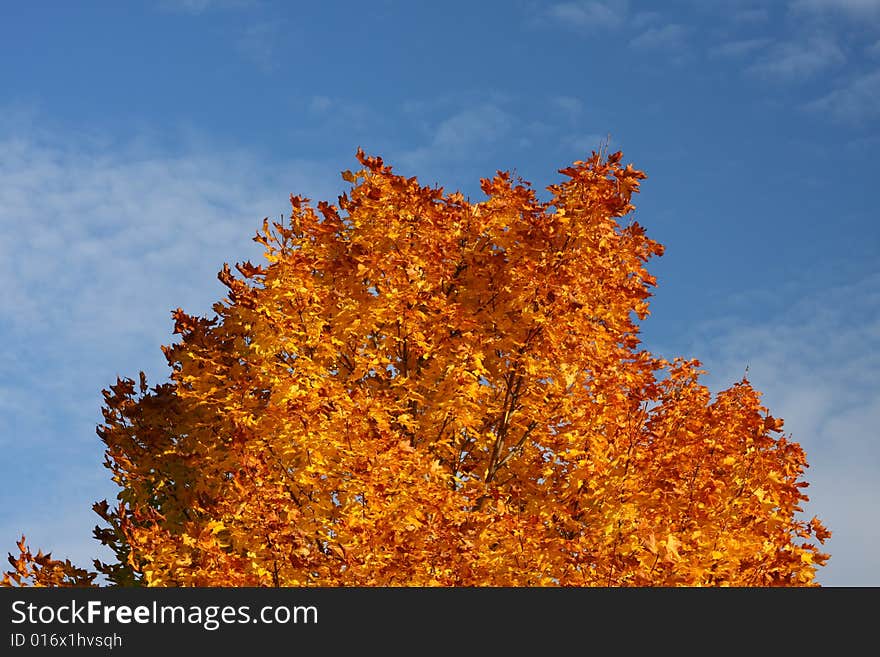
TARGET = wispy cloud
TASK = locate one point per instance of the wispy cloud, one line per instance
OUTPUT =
(818, 365)
(472, 126)
(591, 16)
(338, 115)
(669, 36)
(850, 8)
(202, 6)
(854, 102)
(85, 227)
(320, 104)
(737, 49)
(471, 129)
(581, 145)
(259, 43)
(798, 59)
(588, 14)
(570, 106)
(644, 18)
(752, 15)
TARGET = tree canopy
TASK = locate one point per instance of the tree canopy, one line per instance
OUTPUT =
(417, 389)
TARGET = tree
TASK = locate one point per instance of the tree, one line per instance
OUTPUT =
(416, 389)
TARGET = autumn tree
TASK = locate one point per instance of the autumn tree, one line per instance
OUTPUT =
(417, 389)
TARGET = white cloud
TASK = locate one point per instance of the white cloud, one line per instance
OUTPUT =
(319, 104)
(121, 228)
(475, 125)
(856, 101)
(581, 145)
(588, 14)
(666, 37)
(756, 15)
(817, 361)
(797, 60)
(458, 136)
(259, 44)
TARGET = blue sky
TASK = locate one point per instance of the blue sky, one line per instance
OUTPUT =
(141, 144)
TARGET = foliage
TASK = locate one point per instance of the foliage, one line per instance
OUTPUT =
(420, 390)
